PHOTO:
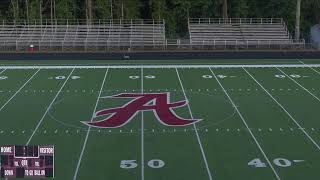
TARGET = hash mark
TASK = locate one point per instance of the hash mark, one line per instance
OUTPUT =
(298, 160)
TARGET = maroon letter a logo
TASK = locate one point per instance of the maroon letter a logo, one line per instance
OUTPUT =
(159, 103)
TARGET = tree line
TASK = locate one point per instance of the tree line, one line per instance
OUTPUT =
(174, 12)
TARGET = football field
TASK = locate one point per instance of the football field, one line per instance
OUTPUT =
(167, 120)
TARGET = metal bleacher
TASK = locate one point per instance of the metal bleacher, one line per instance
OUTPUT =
(81, 34)
(239, 32)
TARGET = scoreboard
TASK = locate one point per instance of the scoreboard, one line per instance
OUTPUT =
(27, 161)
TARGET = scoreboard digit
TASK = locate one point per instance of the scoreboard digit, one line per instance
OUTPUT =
(26, 161)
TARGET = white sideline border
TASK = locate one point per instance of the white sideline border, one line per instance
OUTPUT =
(164, 66)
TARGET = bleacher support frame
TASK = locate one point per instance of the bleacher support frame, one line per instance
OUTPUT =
(127, 36)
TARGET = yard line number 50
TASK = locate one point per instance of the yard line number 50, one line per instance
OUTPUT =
(131, 164)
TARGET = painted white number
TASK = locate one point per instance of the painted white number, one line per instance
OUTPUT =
(281, 162)
(156, 163)
(257, 163)
(3, 77)
(134, 77)
(75, 77)
(60, 77)
(279, 76)
(150, 77)
(210, 76)
(64, 77)
(295, 76)
(207, 76)
(147, 77)
(128, 164)
(221, 76)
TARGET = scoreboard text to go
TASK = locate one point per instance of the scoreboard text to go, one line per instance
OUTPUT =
(27, 161)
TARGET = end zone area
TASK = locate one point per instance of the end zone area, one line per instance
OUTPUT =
(242, 119)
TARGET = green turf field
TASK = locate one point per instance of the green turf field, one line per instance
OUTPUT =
(259, 121)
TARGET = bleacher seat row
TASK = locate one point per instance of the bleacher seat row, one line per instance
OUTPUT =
(113, 33)
(238, 31)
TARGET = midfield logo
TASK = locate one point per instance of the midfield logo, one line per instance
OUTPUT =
(159, 103)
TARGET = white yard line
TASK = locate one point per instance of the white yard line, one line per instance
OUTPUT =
(310, 67)
(299, 85)
(284, 109)
(48, 108)
(195, 129)
(247, 126)
(160, 66)
(19, 89)
(89, 128)
(142, 132)
(3, 71)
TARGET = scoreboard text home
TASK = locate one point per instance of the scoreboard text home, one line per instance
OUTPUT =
(27, 161)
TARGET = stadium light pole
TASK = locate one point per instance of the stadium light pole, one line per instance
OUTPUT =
(27, 9)
(111, 9)
(40, 11)
(122, 13)
(298, 15)
(14, 9)
(225, 9)
(89, 11)
(54, 10)
(51, 11)
(17, 9)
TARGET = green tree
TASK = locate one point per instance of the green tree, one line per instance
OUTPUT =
(158, 9)
(102, 9)
(34, 9)
(66, 9)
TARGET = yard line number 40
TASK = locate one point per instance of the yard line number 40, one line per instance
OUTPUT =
(280, 162)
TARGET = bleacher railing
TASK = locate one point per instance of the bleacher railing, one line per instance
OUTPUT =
(236, 20)
(169, 45)
(45, 22)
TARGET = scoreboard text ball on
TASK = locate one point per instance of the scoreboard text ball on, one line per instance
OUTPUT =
(27, 161)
